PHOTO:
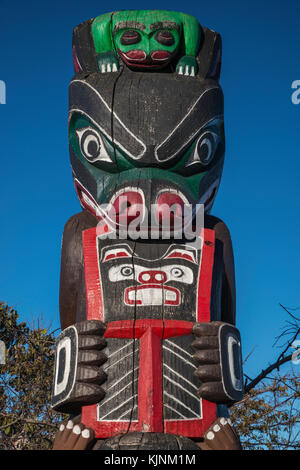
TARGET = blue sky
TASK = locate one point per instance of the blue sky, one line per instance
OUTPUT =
(259, 193)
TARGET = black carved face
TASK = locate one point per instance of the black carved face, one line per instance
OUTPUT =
(155, 282)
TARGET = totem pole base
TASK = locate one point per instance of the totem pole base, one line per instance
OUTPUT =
(146, 441)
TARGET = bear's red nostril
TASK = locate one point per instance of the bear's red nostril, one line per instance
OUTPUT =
(127, 207)
(170, 209)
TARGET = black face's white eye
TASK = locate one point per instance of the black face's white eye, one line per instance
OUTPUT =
(177, 272)
(205, 149)
(92, 146)
(127, 271)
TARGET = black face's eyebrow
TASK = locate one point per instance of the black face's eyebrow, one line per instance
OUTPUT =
(127, 25)
(164, 25)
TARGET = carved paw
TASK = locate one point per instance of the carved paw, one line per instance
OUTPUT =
(78, 372)
(187, 65)
(107, 62)
(73, 435)
(218, 355)
(221, 436)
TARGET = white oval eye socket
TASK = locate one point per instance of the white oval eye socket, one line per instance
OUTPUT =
(205, 149)
(91, 145)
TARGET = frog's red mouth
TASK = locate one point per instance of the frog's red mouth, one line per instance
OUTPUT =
(139, 58)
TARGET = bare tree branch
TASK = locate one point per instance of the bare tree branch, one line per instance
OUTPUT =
(264, 373)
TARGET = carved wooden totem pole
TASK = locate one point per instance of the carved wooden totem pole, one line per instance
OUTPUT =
(148, 357)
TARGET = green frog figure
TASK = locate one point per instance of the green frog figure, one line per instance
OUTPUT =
(147, 40)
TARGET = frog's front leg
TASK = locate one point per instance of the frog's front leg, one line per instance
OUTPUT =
(108, 62)
(187, 65)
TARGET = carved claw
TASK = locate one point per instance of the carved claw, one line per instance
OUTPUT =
(218, 355)
(221, 436)
(78, 372)
(73, 435)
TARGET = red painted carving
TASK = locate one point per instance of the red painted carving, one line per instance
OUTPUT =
(150, 333)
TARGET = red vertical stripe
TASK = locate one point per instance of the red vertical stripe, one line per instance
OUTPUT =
(205, 277)
(94, 305)
(150, 383)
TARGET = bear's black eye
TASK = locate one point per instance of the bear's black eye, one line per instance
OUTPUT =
(165, 37)
(91, 145)
(130, 37)
(205, 149)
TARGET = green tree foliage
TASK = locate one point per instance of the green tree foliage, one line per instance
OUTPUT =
(268, 418)
(26, 418)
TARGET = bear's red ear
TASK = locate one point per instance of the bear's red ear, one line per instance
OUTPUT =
(84, 54)
(210, 55)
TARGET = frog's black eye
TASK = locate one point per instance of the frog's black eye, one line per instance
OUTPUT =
(91, 145)
(165, 37)
(130, 37)
(205, 149)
